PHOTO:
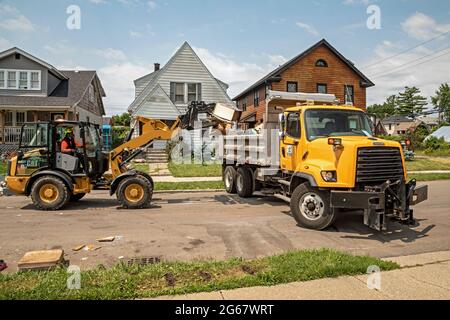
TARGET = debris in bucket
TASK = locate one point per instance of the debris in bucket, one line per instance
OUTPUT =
(144, 261)
(107, 239)
(42, 260)
(3, 265)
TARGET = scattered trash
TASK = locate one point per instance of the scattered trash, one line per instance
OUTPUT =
(206, 276)
(84, 259)
(121, 257)
(91, 247)
(41, 260)
(170, 279)
(248, 269)
(144, 261)
(119, 238)
(3, 265)
(107, 239)
(78, 248)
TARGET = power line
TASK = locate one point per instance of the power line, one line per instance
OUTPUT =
(412, 61)
(407, 50)
(418, 64)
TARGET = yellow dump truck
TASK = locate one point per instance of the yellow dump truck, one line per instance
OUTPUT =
(323, 158)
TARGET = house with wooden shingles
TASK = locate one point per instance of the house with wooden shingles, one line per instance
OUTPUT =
(166, 93)
(32, 90)
(319, 69)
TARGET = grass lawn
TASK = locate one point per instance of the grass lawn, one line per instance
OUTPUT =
(429, 176)
(195, 170)
(172, 278)
(432, 163)
(197, 185)
(3, 167)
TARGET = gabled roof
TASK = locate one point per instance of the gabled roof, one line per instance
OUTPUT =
(67, 94)
(155, 76)
(442, 132)
(162, 106)
(397, 119)
(276, 73)
(51, 68)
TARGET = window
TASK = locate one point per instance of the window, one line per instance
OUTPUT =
(35, 80)
(20, 79)
(293, 125)
(2, 79)
(91, 93)
(349, 94)
(322, 88)
(256, 98)
(292, 86)
(20, 118)
(321, 63)
(8, 118)
(12, 80)
(244, 105)
(185, 92)
(23, 80)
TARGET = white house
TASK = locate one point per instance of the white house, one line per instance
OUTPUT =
(166, 93)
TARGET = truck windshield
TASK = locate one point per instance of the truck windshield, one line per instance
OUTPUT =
(322, 123)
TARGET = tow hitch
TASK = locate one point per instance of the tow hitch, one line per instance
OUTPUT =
(391, 199)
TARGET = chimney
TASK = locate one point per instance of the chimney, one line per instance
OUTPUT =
(157, 66)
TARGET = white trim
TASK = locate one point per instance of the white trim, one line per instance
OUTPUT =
(18, 71)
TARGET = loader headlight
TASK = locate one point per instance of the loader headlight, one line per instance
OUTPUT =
(329, 176)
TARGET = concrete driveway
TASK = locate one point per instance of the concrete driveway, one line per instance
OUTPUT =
(187, 226)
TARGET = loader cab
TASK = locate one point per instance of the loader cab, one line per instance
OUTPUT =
(41, 147)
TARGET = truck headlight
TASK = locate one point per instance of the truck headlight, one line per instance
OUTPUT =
(329, 176)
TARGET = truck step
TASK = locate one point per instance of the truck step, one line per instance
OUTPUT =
(284, 198)
(284, 182)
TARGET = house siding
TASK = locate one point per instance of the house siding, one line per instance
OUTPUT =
(10, 62)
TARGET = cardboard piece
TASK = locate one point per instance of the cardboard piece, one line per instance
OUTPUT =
(44, 259)
(107, 239)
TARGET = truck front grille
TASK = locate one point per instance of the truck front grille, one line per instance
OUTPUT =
(379, 164)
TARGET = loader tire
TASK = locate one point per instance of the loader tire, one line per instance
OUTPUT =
(311, 207)
(229, 179)
(49, 193)
(77, 197)
(244, 182)
(135, 192)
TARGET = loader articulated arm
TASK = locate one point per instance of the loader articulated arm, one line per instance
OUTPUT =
(151, 130)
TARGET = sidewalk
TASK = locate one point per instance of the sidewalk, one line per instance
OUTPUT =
(424, 276)
(195, 179)
(431, 171)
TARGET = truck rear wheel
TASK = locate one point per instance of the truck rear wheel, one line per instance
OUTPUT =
(49, 193)
(244, 182)
(311, 207)
(134, 193)
(229, 179)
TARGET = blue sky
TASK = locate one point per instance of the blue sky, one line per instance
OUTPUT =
(239, 41)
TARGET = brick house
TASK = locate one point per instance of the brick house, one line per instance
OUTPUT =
(320, 69)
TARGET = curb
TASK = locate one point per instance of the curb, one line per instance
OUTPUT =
(189, 191)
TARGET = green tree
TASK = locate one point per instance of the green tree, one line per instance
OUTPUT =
(381, 111)
(411, 103)
(441, 102)
(123, 119)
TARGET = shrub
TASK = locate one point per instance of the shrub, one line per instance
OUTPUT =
(433, 144)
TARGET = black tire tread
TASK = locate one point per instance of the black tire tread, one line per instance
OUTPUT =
(247, 190)
(148, 189)
(62, 188)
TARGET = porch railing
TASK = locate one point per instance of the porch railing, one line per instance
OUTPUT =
(11, 135)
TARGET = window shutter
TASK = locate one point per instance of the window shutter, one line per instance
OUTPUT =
(172, 91)
(199, 92)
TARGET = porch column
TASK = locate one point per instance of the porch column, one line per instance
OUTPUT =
(66, 115)
(35, 116)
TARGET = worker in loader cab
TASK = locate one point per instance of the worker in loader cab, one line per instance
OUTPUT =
(68, 144)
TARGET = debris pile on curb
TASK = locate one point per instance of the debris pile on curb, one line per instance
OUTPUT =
(42, 260)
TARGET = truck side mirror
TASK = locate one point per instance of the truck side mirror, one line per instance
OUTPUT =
(282, 123)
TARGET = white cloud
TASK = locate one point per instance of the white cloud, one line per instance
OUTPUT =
(277, 59)
(151, 5)
(388, 80)
(98, 1)
(60, 48)
(18, 23)
(238, 74)
(423, 27)
(308, 28)
(135, 34)
(6, 8)
(111, 54)
(117, 80)
(352, 2)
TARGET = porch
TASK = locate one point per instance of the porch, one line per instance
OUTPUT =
(11, 122)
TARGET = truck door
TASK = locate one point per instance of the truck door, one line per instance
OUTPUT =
(290, 141)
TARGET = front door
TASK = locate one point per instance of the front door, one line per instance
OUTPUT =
(290, 141)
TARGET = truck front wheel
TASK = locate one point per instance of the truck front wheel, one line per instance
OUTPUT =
(134, 193)
(311, 207)
(49, 193)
